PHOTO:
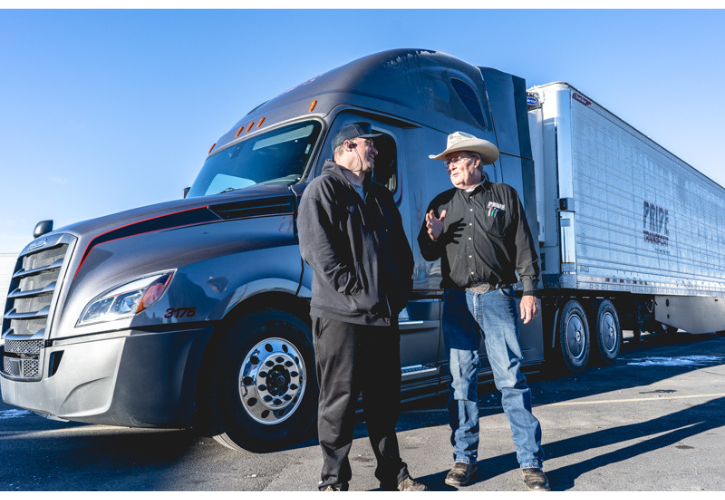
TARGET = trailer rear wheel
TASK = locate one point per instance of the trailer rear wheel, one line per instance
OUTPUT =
(574, 341)
(607, 330)
(263, 392)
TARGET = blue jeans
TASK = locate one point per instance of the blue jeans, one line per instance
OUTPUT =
(465, 316)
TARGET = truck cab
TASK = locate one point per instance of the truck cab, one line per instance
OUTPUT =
(196, 311)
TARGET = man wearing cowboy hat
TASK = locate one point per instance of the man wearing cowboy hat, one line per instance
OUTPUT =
(479, 231)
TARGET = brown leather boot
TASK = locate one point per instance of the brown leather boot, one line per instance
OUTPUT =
(535, 480)
(460, 474)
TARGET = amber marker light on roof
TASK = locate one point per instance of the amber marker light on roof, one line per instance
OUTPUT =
(312, 106)
(212, 147)
(250, 126)
(239, 131)
(260, 122)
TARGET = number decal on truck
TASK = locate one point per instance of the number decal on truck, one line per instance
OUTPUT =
(180, 312)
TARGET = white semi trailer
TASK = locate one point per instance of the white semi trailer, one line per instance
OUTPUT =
(629, 233)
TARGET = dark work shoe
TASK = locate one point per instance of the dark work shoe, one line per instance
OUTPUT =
(407, 485)
(535, 480)
(410, 484)
(460, 474)
(336, 487)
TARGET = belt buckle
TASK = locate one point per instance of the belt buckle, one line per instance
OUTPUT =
(481, 288)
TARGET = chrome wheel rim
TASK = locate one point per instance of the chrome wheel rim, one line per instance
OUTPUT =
(272, 381)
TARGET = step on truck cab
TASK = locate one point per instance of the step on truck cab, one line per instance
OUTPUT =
(196, 311)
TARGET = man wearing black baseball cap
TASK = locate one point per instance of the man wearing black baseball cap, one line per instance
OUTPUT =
(358, 158)
(351, 234)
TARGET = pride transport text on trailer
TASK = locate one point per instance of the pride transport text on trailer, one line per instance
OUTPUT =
(196, 311)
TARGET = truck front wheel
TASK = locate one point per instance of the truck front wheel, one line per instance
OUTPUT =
(574, 341)
(263, 392)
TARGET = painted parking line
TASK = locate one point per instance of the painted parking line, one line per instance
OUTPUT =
(581, 403)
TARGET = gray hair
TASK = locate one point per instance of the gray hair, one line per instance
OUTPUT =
(480, 160)
(337, 152)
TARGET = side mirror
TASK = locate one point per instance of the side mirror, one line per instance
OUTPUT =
(42, 227)
(186, 191)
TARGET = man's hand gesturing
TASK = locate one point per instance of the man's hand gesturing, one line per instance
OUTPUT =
(434, 225)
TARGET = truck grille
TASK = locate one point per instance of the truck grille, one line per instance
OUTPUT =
(23, 346)
(26, 368)
(32, 290)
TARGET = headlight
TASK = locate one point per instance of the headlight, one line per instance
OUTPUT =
(126, 300)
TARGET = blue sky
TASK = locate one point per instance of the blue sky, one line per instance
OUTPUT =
(103, 111)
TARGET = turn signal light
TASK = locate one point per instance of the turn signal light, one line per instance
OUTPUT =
(154, 292)
(312, 106)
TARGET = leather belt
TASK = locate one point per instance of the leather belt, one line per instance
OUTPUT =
(485, 287)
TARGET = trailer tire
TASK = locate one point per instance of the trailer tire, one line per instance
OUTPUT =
(574, 343)
(263, 392)
(607, 330)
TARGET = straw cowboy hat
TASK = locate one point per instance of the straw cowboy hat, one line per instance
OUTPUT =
(461, 141)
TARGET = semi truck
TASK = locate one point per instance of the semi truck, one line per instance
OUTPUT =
(195, 312)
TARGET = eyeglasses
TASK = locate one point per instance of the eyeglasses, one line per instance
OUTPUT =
(455, 160)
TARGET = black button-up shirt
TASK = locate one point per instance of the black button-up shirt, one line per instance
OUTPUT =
(485, 239)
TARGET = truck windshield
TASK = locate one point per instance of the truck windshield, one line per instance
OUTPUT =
(277, 157)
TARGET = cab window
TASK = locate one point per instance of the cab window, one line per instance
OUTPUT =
(386, 164)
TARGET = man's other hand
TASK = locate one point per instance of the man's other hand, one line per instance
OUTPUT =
(529, 308)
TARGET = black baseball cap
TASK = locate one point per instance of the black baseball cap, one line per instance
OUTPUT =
(351, 131)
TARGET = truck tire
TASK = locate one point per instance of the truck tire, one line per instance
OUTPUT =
(263, 391)
(574, 343)
(607, 331)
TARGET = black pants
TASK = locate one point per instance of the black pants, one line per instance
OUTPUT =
(352, 359)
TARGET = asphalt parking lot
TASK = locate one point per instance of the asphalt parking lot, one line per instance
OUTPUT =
(654, 421)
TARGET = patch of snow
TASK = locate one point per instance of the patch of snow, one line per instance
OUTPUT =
(679, 361)
(13, 414)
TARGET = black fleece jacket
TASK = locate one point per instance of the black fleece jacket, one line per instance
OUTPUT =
(357, 248)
